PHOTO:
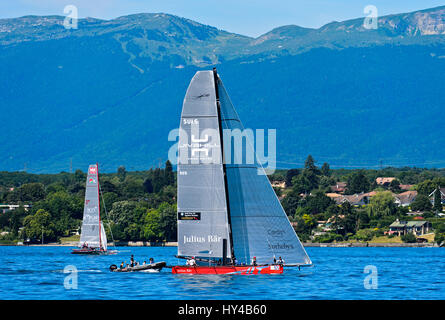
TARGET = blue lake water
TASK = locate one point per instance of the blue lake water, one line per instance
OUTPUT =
(402, 273)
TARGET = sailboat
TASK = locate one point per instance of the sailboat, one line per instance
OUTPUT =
(93, 239)
(230, 220)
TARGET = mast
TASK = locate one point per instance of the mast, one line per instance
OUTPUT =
(98, 201)
(226, 190)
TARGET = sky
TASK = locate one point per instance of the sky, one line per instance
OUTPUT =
(247, 17)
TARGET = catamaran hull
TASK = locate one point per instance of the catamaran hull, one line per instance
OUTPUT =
(92, 252)
(241, 270)
(88, 252)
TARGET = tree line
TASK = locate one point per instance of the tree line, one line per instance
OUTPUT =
(305, 200)
(134, 205)
(141, 205)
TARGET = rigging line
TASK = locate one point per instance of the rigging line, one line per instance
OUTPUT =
(106, 214)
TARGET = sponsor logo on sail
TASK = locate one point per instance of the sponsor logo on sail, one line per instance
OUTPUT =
(92, 170)
(275, 232)
(213, 238)
(191, 121)
(281, 246)
(91, 180)
(91, 210)
(189, 215)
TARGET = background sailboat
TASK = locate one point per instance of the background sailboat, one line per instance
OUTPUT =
(227, 209)
(93, 238)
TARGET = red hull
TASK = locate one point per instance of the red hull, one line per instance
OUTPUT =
(243, 270)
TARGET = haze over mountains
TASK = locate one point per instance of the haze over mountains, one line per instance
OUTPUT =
(111, 91)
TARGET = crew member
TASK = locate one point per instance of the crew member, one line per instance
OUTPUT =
(191, 262)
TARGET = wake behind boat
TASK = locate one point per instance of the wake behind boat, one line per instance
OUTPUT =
(229, 218)
(93, 239)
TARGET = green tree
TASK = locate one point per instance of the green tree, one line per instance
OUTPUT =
(409, 238)
(325, 170)
(121, 173)
(79, 176)
(132, 187)
(382, 204)
(439, 233)
(309, 165)
(108, 186)
(364, 235)
(152, 225)
(290, 203)
(308, 180)
(38, 225)
(28, 192)
(168, 173)
(305, 182)
(157, 180)
(309, 221)
(421, 203)
(426, 187)
(357, 182)
(108, 199)
(122, 212)
(318, 202)
(148, 186)
(168, 222)
(394, 186)
(289, 176)
(65, 210)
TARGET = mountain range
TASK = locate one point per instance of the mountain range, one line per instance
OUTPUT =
(112, 90)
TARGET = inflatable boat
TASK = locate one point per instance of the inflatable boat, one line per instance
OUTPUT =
(152, 267)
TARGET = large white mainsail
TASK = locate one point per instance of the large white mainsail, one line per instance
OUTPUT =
(92, 232)
(221, 199)
(202, 209)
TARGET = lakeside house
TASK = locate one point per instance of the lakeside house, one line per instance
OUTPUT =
(442, 195)
(418, 228)
(384, 181)
(11, 207)
(279, 184)
(406, 186)
(405, 199)
(358, 199)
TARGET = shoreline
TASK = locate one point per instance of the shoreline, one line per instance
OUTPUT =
(305, 244)
(372, 245)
